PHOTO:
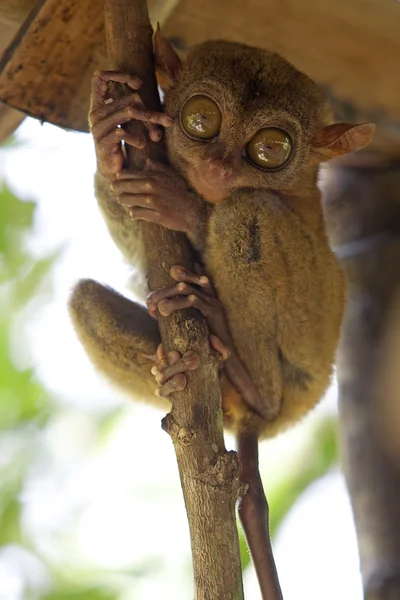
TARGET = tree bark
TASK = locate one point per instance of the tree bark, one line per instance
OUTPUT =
(209, 474)
(363, 208)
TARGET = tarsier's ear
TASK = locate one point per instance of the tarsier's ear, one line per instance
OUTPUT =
(341, 138)
(168, 63)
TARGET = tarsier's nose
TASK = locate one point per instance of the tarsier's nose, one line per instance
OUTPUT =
(218, 169)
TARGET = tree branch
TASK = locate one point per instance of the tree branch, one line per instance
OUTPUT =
(209, 474)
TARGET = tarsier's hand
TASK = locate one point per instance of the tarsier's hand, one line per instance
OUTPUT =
(107, 117)
(159, 195)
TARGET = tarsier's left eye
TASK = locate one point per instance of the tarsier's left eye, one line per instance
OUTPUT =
(269, 149)
(201, 118)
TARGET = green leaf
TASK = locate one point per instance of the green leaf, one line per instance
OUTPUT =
(31, 277)
(21, 397)
(10, 526)
(16, 217)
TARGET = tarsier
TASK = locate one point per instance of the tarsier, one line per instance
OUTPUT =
(246, 133)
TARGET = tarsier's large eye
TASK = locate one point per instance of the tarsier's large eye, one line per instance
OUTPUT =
(201, 118)
(269, 149)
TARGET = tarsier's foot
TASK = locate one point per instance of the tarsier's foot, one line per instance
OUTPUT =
(196, 290)
(108, 115)
(169, 370)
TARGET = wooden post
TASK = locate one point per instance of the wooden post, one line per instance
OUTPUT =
(363, 210)
(209, 474)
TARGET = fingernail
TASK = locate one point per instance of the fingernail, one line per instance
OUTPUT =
(168, 120)
(181, 272)
(164, 308)
(203, 279)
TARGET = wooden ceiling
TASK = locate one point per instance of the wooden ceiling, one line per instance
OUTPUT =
(353, 48)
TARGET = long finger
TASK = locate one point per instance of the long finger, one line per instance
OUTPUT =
(176, 384)
(137, 139)
(110, 107)
(144, 214)
(145, 201)
(167, 307)
(155, 131)
(126, 114)
(219, 346)
(101, 79)
(180, 289)
(128, 174)
(143, 185)
(180, 274)
(189, 362)
(164, 360)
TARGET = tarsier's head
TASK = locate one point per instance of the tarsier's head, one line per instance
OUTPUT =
(246, 118)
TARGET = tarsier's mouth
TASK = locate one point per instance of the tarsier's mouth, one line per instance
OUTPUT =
(212, 184)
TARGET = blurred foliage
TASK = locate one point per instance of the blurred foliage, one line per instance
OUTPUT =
(26, 410)
(25, 406)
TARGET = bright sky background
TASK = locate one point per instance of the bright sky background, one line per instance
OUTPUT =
(132, 515)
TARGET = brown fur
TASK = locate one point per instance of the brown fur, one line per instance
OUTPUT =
(264, 247)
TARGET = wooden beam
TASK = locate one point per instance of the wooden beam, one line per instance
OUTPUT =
(351, 47)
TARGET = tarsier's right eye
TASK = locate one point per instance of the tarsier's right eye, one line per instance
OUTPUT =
(269, 149)
(201, 118)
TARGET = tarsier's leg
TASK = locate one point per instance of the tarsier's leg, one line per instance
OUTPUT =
(253, 513)
(116, 333)
(123, 341)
